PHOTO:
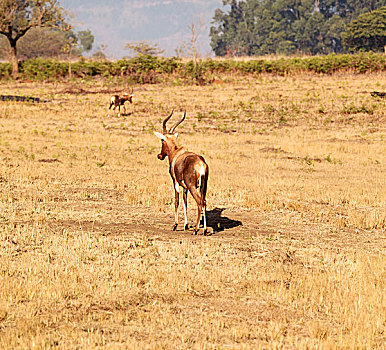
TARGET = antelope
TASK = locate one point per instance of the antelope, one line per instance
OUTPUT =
(188, 171)
(118, 101)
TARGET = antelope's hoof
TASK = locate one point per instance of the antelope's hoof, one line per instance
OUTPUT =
(175, 227)
(205, 232)
(195, 232)
(186, 227)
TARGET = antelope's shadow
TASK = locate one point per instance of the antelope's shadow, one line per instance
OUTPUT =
(218, 223)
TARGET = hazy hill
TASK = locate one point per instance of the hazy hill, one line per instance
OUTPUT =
(165, 22)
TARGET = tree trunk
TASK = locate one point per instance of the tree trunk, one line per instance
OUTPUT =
(69, 69)
(14, 60)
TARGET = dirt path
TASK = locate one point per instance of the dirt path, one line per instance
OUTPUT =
(114, 217)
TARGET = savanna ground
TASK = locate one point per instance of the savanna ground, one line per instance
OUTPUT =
(296, 208)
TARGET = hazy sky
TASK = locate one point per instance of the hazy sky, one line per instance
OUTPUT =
(165, 22)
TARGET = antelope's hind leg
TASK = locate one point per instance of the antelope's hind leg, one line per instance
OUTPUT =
(197, 197)
(176, 204)
(111, 104)
(197, 227)
(199, 212)
(185, 204)
(201, 209)
(204, 219)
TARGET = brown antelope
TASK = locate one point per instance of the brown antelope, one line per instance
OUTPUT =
(118, 101)
(188, 171)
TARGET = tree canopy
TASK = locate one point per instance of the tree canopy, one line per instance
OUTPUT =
(86, 40)
(144, 48)
(38, 42)
(258, 27)
(367, 32)
(48, 43)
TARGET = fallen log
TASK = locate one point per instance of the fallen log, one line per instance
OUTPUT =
(21, 98)
(378, 94)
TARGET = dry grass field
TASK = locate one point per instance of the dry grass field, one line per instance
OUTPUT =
(296, 208)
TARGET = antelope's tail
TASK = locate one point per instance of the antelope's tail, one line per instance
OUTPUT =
(203, 185)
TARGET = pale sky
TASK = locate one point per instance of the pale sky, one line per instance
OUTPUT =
(164, 22)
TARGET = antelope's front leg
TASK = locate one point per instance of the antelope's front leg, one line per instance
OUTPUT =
(176, 204)
(113, 106)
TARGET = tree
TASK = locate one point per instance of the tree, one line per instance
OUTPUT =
(351, 9)
(17, 17)
(99, 54)
(227, 37)
(86, 40)
(367, 32)
(144, 48)
(191, 48)
(71, 49)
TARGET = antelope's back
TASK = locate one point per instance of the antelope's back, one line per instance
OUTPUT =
(192, 166)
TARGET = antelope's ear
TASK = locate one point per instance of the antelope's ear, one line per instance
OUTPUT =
(159, 135)
(176, 135)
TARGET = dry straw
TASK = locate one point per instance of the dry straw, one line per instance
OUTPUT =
(296, 200)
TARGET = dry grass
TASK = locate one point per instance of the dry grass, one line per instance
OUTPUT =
(296, 199)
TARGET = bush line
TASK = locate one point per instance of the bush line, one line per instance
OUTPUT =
(151, 69)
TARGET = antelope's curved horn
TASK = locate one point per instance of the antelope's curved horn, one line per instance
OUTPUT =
(165, 121)
(178, 123)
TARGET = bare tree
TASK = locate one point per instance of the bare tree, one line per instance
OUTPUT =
(191, 48)
(68, 49)
(17, 17)
(194, 34)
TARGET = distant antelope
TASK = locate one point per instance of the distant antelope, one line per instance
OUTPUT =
(118, 101)
(188, 170)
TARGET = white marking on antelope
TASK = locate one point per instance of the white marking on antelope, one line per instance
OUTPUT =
(200, 169)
